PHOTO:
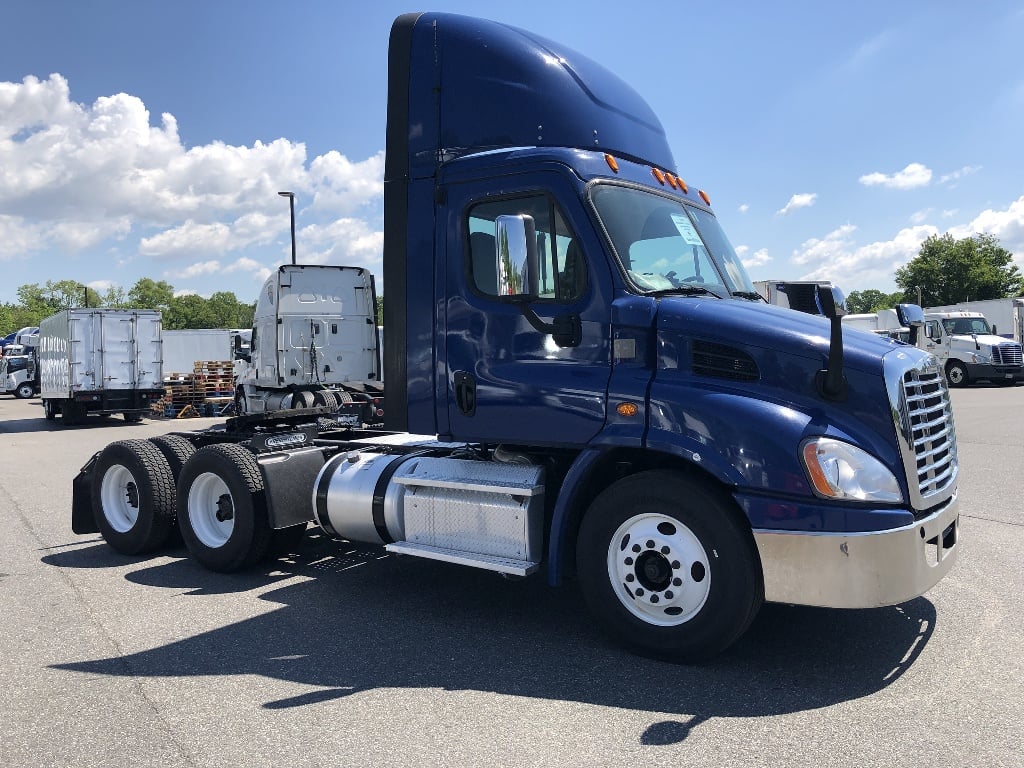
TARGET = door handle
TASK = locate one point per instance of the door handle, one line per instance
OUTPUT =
(465, 392)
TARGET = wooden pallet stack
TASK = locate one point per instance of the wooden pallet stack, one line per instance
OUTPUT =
(203, 392)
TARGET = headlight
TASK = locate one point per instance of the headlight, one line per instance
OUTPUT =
(981, 357)
(839, 470)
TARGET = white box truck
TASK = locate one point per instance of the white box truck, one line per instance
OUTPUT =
(100, 361)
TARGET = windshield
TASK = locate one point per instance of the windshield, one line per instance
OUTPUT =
(966, 326)
(664, 244)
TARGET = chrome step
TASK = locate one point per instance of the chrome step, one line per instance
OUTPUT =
(472, 559)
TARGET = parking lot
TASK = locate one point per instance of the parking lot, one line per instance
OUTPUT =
(344, 656)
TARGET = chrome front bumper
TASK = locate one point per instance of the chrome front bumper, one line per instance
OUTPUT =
(859, 570)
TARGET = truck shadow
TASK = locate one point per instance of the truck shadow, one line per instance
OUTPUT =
(367, 620)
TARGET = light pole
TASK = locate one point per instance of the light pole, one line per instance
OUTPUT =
(291, 209)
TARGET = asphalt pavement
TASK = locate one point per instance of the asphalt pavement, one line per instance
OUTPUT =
(342, 655)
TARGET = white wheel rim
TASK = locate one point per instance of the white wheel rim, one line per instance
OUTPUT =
(208, 497)
(119, 494)
(659, 570)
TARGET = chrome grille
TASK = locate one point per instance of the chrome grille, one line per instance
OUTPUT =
(1007, 354)
(927, 425)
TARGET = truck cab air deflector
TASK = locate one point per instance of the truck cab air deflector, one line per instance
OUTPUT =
(494, 86)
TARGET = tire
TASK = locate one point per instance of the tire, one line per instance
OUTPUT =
(132, 418)
(326, 399)
(956, 374)
(25, 390)
(222, 511)
(71, 413)
(133, 497)
(49, 412)
(303, 399)
(177, 450)
(668, 566)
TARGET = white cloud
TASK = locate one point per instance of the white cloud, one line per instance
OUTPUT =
(838, 258)
(73, 176)
(101, 286)
(920, 217)
(967, 170)
(914, 175)
(802, 200)
(351, 242)
(743, 208)
(759, 259)
(199, 268)
(1007, 225)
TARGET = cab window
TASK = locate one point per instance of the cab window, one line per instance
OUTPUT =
(561, 265)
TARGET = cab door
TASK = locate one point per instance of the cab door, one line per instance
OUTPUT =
(527, 370)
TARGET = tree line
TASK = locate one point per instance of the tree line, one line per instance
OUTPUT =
(221, 310)
(947, 271)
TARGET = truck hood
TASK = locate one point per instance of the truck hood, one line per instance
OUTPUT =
(983, 340)
(766, 330)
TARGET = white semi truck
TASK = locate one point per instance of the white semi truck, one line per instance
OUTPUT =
(100, 362)
(969, 350)
(314, 344)
(1005, 316)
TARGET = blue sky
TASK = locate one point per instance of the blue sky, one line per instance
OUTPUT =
(146, 139)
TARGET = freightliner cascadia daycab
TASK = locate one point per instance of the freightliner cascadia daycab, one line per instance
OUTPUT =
(583, 382)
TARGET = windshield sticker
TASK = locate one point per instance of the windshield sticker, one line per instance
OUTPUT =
(685, 227)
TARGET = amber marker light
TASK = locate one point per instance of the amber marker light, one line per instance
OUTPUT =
(658, 175)
(671, 180)
(704, 196)
(682, 185)
(627, 409)
(612, 163)
(818, 478)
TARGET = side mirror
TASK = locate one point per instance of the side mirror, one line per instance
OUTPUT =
(912, 316)
(516, 254)
(831, 301)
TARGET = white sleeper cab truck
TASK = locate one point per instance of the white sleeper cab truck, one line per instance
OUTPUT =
(314, 344)
(968, 349)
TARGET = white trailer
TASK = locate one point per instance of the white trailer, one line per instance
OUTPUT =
(183, 349)
(100, 361)
(1005, 316)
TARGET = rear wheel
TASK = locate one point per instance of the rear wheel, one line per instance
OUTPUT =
(132, 418)
(49, 411)
(133, 497)
(326, 399)
(222, 510)
(71, 413)
(669, 568)
(303, 399)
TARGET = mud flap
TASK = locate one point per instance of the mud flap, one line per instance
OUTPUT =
(82, 518)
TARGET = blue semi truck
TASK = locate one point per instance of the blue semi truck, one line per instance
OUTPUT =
(582, 381)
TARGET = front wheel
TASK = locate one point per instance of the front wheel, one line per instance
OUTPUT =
(222, 509)
(956, 374)
(25, 390)
(668, 566)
